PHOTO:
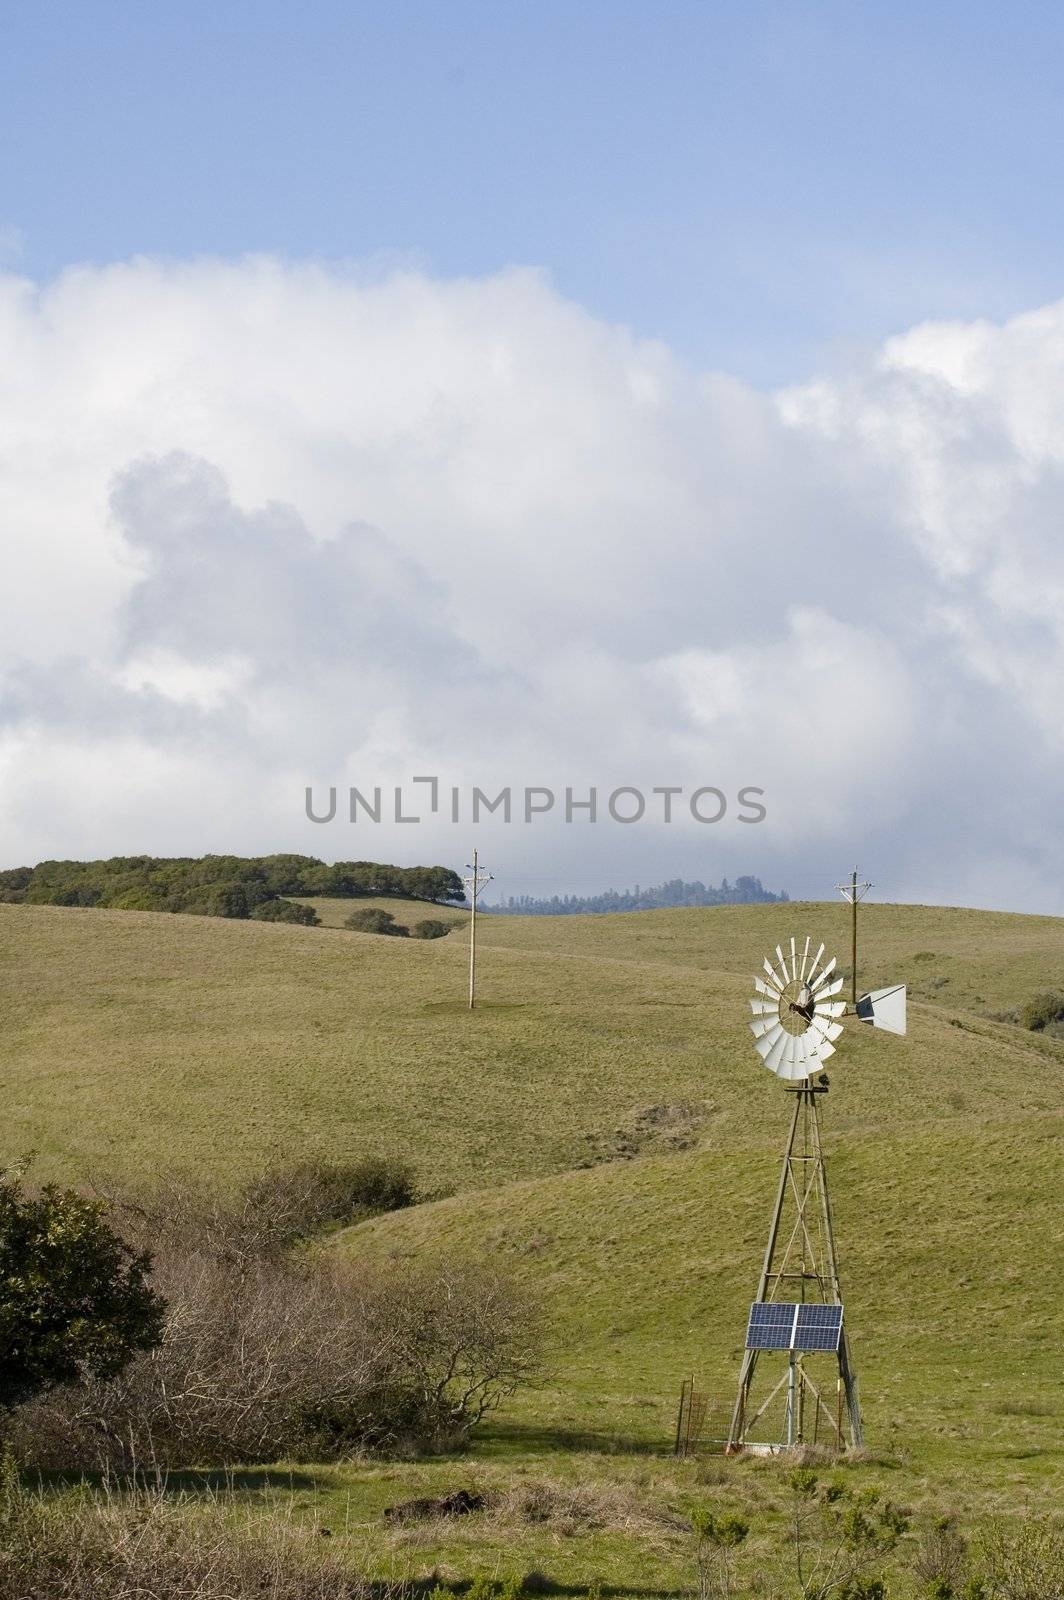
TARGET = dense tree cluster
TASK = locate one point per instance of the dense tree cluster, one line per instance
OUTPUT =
(744, 891)
(219, 886)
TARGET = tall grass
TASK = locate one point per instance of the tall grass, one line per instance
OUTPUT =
(149, 1544)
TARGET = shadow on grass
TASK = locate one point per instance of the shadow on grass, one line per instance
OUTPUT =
(186, 1481)
(505, 1438)
(458, 1007)
(576, 1591)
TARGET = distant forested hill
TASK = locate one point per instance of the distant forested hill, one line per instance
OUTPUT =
(743, 892)
(220, 886)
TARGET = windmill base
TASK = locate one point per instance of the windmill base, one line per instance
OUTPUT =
(800, 1266)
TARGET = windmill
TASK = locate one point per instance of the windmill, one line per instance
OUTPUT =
(798, 1310)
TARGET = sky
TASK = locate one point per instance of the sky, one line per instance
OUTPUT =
(552, 396)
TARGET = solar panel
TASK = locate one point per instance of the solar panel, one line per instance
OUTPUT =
(771, 1326)
(787, 1325)
(818, 1328)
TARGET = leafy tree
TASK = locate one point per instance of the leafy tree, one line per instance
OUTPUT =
(74, 1298)
(14, 882)
(286, 911)
(372, 920)
(430, 928)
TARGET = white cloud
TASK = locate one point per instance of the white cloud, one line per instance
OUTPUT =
(268, 525)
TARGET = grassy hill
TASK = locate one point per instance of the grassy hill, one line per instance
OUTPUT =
(602, 1123)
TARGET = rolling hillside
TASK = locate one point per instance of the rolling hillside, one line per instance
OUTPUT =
(133, 1038)
(601, 1122)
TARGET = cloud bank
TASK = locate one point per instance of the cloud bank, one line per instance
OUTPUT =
(270, 525)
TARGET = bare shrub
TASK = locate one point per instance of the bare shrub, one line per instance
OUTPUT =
(263, 1358)
(151, 1545)
(941, 1561)
(253, 1355)
(296, 1201)
(269, 1213)
(464, 1337)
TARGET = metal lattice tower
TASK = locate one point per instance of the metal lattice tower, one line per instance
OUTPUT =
(800, 1270)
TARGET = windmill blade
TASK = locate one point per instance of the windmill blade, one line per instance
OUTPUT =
(769, 993)
(767, 1043)
(798, 1067)
(816, 962)
(783, 966)
(826, 1029)
(833, 987)
(777, 1052)
(771, 971)
(765, 1008)
(805, 959)
(824, 976)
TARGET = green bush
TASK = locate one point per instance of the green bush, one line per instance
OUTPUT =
(1023, 1560)
(286, 911)
(430, 928)
(74, 1298)
(1042, 1010)
(371, 920)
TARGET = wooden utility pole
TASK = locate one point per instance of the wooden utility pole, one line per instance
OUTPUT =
(853, 940)
(474, 882)
(853, 891)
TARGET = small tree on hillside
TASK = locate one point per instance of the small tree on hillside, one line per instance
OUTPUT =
(74, 1299)
(372, 920)
(281, 910)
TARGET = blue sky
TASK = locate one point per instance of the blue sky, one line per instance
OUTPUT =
(763, 186)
